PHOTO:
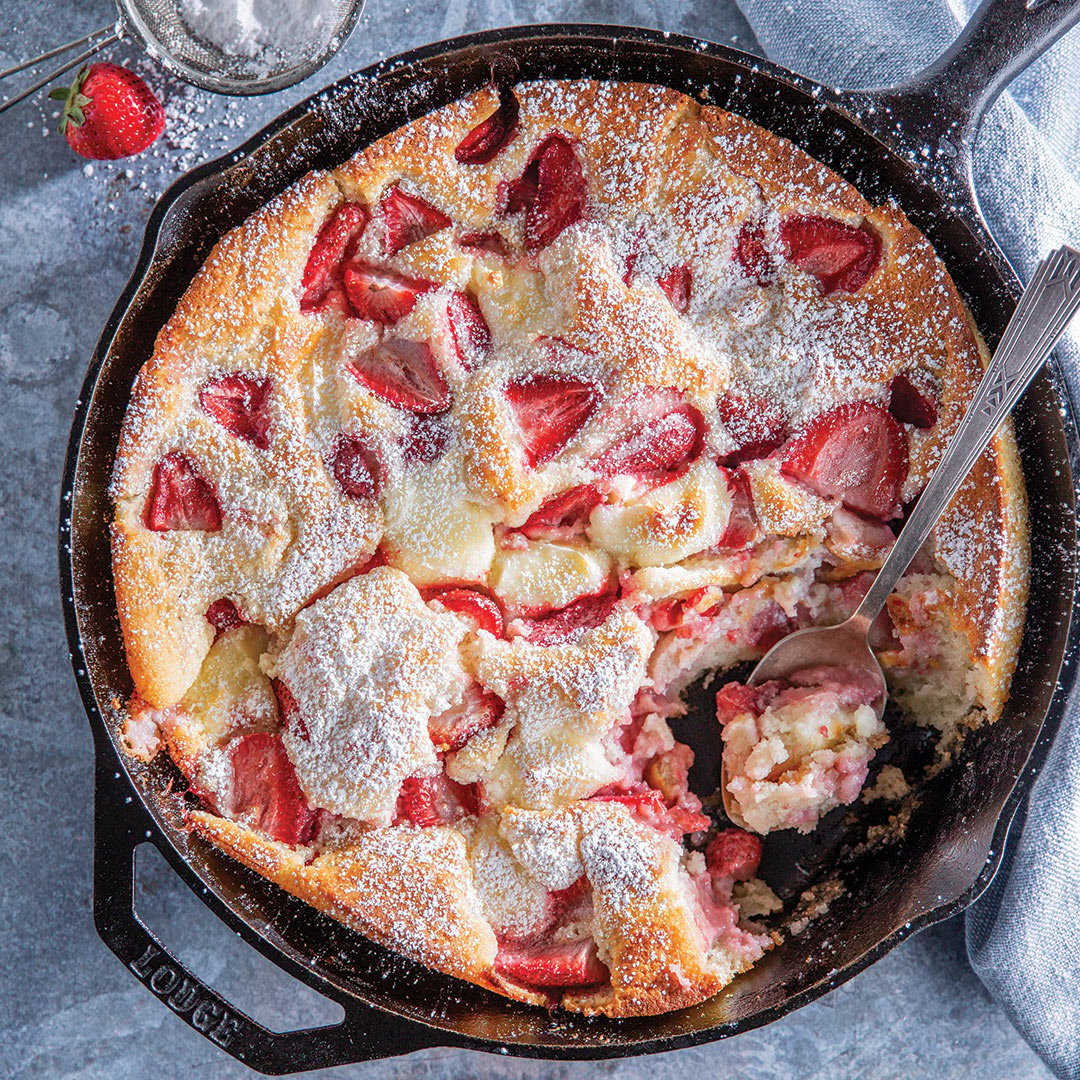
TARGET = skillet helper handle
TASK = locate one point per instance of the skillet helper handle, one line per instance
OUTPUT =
(121, 825)
(1040, 318)
(935, 115)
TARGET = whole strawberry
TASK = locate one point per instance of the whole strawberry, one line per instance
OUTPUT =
(109, 112)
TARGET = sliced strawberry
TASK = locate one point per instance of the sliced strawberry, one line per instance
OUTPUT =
(292, 719)
(468, 330)
(180, 498)
(733, 853)
(563, 515)
(910, 404)
(416, 803)
(550, 410)
(426, 438)
(492, 134)
(855, 452)
(751, 253)
(742, 525)
(768, 625)
(551, 191)
(404, 374)
(648, 805)
(483, 609)
(567, 905)
(381, 295)
(434, 800)
(557, 964)
(223, 615)
(265, 790)
(733, 699)
(478, 710)
(668, 436)
(492, 242)
(758, 426)
(356, 468)
(517, 195)
(684, 820)
(239, 403)
(584, 613)
(409, 219)
(675, 285)
(322, 274)
(668, 615)
(842, 257)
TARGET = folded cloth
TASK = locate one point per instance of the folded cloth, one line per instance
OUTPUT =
(1023, 934)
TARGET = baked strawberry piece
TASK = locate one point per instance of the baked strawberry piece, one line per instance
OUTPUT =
(429, 801)
(402, 373)
(180, 498)
(381, 295)
(585, 613)
(842, 257)
(477, 711)
(560, 965)
(663, 434)
(751, 254)
(734, 854)
(468, 330)
(756, 425)
(240, 404)
(492, 133)
(265, 792)
(223, 615)
(323, 289)
(409, 219)
(475, 604)
(856, 453)
(912, 402)
(563, 516)
(550, 410)
(356, 468)
(676, 284)
(551, 192)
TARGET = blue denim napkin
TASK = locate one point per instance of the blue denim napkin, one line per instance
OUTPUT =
(1023, 935)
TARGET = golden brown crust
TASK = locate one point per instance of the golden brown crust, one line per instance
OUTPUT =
(695, 175)
(408, 889)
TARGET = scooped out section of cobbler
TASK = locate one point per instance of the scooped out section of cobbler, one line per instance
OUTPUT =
(459, 466)
(797, 748)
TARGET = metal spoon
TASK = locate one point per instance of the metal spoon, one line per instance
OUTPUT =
(1044, 310)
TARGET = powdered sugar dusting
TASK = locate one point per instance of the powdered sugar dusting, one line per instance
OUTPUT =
(440, 490)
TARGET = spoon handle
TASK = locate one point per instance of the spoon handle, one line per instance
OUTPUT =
(1040, 318)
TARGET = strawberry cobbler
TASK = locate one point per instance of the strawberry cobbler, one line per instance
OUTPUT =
(458, 466)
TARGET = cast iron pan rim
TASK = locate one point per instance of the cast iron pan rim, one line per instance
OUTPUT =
(109, 757)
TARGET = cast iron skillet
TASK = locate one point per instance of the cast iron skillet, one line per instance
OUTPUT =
(954, 840)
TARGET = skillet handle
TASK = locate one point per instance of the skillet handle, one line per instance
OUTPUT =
(934, 116)
(120, 826)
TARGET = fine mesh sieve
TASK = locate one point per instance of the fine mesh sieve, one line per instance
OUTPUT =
(228, 46)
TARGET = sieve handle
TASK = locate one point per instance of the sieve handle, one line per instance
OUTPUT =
(89, 45)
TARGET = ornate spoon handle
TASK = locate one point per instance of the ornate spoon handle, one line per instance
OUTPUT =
(1044, 311)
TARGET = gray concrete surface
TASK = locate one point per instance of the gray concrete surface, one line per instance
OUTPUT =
(68, 239)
